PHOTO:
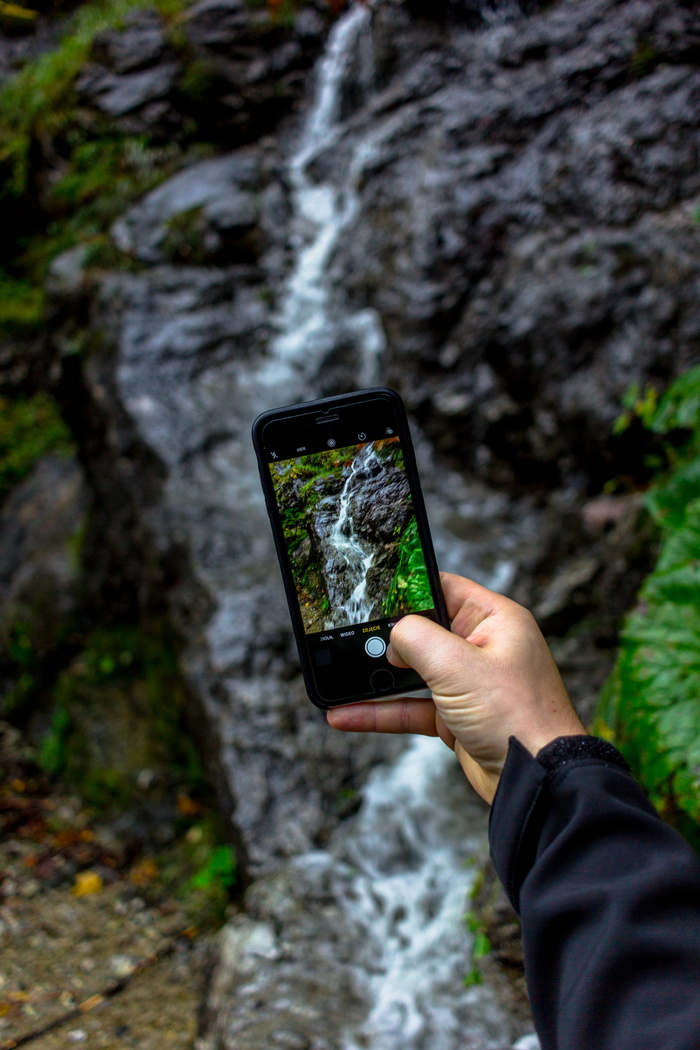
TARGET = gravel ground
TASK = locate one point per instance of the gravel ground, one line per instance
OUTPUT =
(105, 968)
(93, 952)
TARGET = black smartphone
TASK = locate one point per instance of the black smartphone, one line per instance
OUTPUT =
(352, 537)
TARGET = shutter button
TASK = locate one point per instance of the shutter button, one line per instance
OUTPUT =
(375, 646)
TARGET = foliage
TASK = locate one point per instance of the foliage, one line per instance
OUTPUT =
(95, 168)
(201, 871)
(637, 403)
(410, 587)
(481, 947)
(651, 703)
(19, 659)
(32, 104)
(29, 429)
(16, 15)
(52, 752)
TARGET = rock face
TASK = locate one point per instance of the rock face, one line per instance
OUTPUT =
(527, 230)
(493, 212)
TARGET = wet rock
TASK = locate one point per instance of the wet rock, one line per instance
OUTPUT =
(518, 277)
(141, 42)
(216, 23)
(180, 349)
(40, 526)
(384, 508)
(271, 960)
(65, 280)
(218, 197)
(120, 93)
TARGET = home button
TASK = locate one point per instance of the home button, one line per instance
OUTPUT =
(382, 681)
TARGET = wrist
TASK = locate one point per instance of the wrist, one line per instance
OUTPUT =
(536, 739)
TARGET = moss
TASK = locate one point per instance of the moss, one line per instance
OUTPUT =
(97, 170)
(29, 429)
(52, 753)
(103, 176)
(20, 670)
(644, 59)
(16, 17)
(21, 305)
(199, 80)
(119, 708)
(184, 238)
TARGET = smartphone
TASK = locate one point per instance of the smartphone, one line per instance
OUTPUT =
(352, 538)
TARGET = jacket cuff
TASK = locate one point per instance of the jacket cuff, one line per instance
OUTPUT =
(569, 748)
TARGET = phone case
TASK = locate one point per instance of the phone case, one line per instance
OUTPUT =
(323, 405)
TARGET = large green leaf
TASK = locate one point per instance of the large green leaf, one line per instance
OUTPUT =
(651, 702)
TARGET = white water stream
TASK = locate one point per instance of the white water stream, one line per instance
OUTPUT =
(322, 211)
(356, 554)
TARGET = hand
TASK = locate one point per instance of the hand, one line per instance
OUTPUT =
(492, 677)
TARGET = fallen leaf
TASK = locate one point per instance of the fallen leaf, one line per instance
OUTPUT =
(87, 882)
(144, 872)
(186, 805)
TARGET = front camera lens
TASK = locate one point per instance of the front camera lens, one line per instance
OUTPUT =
(331, 442)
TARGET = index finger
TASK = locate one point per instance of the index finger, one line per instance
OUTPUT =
(402, 715)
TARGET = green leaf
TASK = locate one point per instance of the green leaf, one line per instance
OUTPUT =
(651, 702)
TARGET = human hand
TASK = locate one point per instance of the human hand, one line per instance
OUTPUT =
(492, 677)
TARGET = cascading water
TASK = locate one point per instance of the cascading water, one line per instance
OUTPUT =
(306, 331)
(409, 850)
(401, 868)
(355, 554)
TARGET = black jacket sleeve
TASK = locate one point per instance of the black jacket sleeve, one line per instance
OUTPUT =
(609, 902)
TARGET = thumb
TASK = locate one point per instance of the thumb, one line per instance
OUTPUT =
(440, 657)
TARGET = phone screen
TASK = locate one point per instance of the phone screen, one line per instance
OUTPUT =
(354, 541)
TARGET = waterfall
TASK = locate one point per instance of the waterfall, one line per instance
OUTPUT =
(306, 329)
(402, 865)
(357, 556)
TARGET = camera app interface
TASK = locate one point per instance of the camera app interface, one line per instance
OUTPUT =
(351, 535)
(353, 545)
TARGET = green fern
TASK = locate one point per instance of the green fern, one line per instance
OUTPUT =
(651, 703)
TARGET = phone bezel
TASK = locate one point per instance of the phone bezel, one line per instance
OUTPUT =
(323, 405)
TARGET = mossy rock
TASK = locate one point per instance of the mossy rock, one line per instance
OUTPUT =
(118, 734)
